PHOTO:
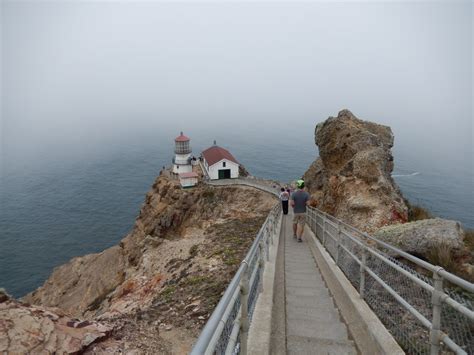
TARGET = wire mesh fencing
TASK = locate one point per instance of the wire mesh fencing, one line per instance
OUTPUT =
(226, 331)
(425, 315)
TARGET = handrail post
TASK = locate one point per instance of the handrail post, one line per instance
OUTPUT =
(338, 241)
(267, 245)
(272, 222)
(324, 230)
(362, 273)
(261, 264)
(244, 318)
(436, 322)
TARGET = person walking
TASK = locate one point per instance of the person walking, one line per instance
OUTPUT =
(299, 200)
(284, 197)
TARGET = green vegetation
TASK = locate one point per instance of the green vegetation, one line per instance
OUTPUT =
(168, 292)
(196, 280)
(193, 250)
(230, 257)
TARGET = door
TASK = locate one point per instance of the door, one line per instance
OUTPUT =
(224, 174)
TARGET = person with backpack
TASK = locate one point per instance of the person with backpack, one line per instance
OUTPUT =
(284, 197)
(299, 200)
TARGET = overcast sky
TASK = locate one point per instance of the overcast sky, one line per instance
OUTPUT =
(76, 71)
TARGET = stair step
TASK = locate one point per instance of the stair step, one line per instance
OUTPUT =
(292, 283)
(317, 292)
(309, 346)
(319, 330)
(331, 315)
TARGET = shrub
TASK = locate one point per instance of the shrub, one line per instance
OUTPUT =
(443, 255)
(417, 213)
(469, 239)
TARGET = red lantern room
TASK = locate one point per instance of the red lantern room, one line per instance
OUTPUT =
(182, 144)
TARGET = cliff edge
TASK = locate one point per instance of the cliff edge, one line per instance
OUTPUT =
(157, 288)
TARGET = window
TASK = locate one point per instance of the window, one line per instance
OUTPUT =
(223, 164)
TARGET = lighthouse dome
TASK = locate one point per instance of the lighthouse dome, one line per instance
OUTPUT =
(182, 138)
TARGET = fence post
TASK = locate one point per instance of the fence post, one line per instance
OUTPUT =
(272, 223)
(244, 318)
(261, 263)
(267, 244)
(436, 322)
(324, 230)
(338, 241)
(362, 273)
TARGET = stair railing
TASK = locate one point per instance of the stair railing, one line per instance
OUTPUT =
(428, 309)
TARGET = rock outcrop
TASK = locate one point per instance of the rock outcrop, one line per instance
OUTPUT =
(351, 179)
(167, 275)
(421, 237)
(26, 329)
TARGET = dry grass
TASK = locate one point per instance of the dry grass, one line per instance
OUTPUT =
(443, 255)
(417, 213)
(469, 239)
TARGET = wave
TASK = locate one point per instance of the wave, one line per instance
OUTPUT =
(405, 175)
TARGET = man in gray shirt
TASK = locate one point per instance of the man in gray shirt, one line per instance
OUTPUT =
(299, 200)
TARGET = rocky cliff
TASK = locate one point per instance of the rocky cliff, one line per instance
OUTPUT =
(26, 329)
(351, 178)
(167, 275)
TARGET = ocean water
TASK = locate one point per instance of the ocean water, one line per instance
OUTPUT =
(55, 207)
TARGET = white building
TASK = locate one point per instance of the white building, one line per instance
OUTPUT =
(188, 179)
(182, 157)
(220, 163)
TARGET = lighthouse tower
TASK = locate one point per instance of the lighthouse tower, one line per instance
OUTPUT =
(182, 157)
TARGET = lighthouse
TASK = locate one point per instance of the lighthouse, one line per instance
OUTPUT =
(182, 157)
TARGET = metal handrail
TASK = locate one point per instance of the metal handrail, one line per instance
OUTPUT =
(438, 294)
(242, 282)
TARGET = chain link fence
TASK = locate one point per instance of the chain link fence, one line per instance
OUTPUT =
(424, 314)
(226, 330)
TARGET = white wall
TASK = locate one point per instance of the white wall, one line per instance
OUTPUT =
(181, 160)
(213, 170)
(182, 168)
(187, 182)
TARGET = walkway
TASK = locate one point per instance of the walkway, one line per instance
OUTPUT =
(313, 324)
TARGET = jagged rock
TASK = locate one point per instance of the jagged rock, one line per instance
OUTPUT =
(421, 237)
(31, 329)
(83, 283)
(352, 177)
(3, 295)
(153, 241)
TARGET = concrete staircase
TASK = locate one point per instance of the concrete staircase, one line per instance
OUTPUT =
(313, 324)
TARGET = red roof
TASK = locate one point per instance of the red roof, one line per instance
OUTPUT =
(215, 154)
(188, 175)
(181, 138)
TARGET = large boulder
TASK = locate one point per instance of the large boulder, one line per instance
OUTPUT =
(422, 237)
(351, 179)
(26, 329)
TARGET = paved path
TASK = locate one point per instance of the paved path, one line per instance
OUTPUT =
(313, 324)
